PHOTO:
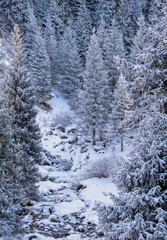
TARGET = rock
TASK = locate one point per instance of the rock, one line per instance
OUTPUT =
(53, 219)
(43, 178)
(32, 237)
(50, 133)
(61, 128)
(97, 148)
(46, 163)
(46, 139)
(73, 140)
(66, 164)
(100, 233)
(63, 137)
(84, 149)
(72, 130)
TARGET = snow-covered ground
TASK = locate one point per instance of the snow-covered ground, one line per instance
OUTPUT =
(67, 210)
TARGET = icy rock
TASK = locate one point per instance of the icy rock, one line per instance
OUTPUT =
(97, 148)
(61, 128)
(53, 218)
(72, 130)
(63, 137)
(66, 164)
(84, 149)
(50, 132)
(73, 140)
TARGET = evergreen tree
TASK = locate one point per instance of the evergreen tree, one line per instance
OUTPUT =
(38, 59)
(127, 23)
(94, 99)
(51, 47)
(141, 40)
(92, 5)
(83, 28)
(101, 34)
(140, 211)
(113, 47)
(10, 194)
(69, 68)
(11, 12)
(149, 71)
(41, 10)
(25, 132)
(106, 9)
(120, 109)
(56, 15)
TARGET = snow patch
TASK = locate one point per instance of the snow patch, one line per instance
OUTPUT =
(98, 189)
(67, 208)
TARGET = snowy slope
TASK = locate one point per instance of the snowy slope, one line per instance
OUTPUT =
(67, 211)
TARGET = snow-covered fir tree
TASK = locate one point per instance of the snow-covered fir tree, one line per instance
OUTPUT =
(148, 71)
(83, 28)
(25, 132)
(140, 210)
(126, 23)
(107, 10)
(51, 47)
(94, 99)
(69, 67)
(113, 47)
(121, 107)
(38, 59)
(56, 15)
(41, 9)
(12, 12)
(10, 194)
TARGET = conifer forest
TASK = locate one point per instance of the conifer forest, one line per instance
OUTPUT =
(83, 119)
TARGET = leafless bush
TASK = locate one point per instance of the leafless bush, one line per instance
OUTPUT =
(102, 167)
(65, 119)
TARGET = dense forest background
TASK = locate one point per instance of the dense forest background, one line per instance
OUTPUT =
(109, 60)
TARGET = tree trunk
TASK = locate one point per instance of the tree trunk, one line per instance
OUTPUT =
(122, 146)
(93, 137)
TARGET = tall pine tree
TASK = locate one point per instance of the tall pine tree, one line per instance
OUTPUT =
(94, 99)
(25, 132)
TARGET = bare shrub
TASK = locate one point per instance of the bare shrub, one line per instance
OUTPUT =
(102, 167)
(65, 119)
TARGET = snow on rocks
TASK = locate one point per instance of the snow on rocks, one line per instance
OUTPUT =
(66, 212)
(37, 237)
(67, 208)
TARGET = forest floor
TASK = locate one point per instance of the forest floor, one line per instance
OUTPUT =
(67, 208)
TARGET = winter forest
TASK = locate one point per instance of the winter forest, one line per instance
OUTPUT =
(83, 119)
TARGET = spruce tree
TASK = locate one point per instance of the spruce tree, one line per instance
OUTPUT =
(120, 109)
(25, 132)
(113, 47)
(38, 59)
(11, 12)
(83, 28)
(51, 47)
(140, 210)
(10, 193)
(56, 15)
(69, 67)
(94, 99)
